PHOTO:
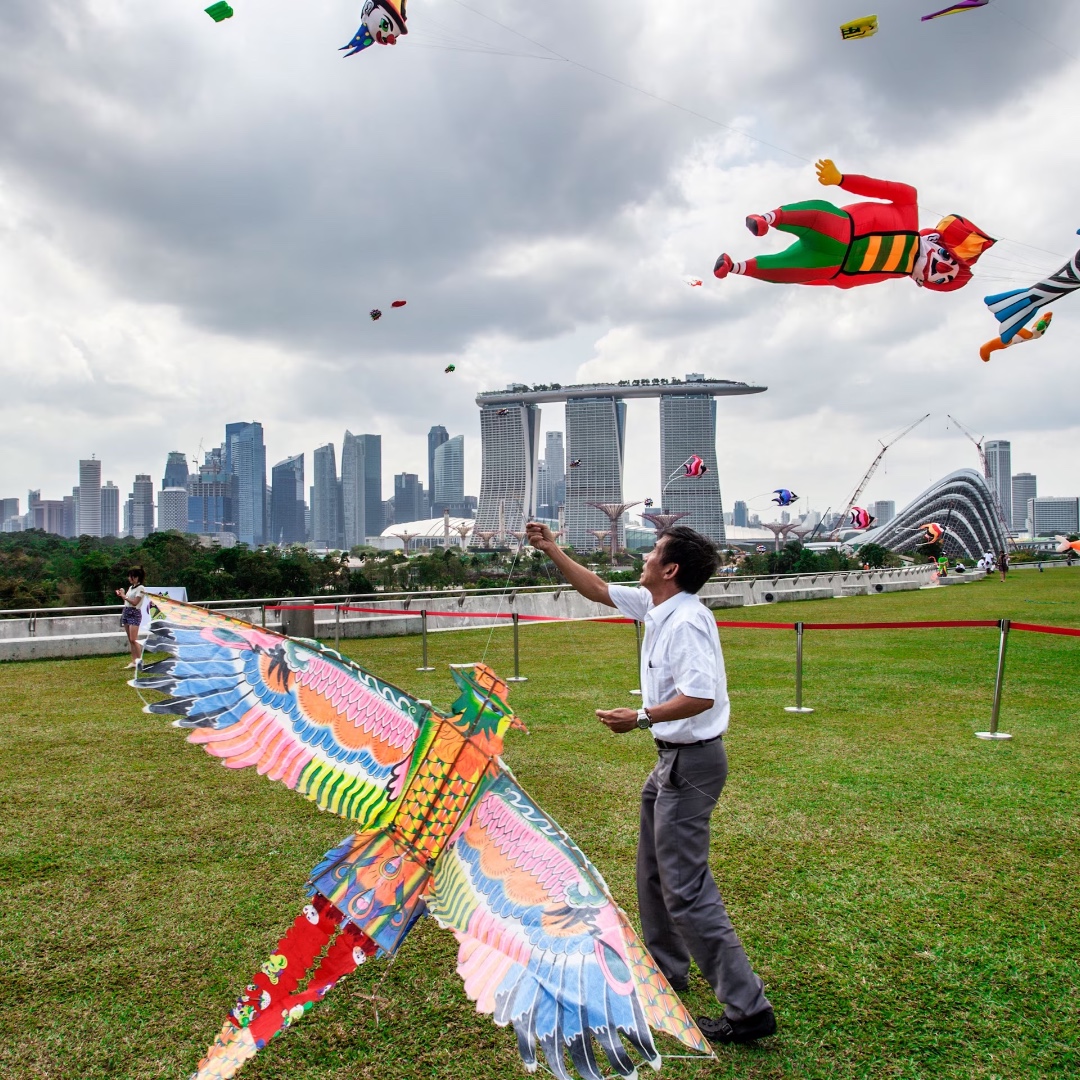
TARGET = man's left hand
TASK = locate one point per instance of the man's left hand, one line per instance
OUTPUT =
(618, 721)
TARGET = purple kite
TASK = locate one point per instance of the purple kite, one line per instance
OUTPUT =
(953, 9)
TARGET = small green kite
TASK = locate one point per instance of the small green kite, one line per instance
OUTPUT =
(220, 11)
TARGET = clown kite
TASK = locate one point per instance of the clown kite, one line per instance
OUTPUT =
(864, 242)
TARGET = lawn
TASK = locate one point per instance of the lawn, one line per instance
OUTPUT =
(908, 892)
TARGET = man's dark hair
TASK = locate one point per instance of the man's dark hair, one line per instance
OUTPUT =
(696, 556)
(138, 573)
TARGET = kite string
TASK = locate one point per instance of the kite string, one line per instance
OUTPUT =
(694, 112)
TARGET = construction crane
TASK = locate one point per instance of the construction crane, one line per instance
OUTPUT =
(835, 534)
(978, 443)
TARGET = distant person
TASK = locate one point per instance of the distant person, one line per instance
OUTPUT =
(1003, 564)
(685, 708)
(131, 618)
(943, 566)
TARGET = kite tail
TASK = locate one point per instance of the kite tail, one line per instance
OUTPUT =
(272, 1001)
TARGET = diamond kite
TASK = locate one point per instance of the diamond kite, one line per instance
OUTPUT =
(441, 827)
(382, 23)
(862, 243)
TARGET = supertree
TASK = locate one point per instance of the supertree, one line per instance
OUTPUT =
(613, 511)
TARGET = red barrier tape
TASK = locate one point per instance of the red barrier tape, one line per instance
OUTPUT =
(1034, 628)
(899, 625)
(759, 625)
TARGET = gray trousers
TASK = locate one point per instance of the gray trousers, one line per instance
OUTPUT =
(682, 912)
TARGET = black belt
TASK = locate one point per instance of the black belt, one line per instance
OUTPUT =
(661, 745)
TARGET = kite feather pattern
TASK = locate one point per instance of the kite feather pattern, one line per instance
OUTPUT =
(443, 828)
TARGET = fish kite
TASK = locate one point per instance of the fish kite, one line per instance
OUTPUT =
(649, 502)
(954, 9)
(449, 369)
(1014, 309)
(761, 549)
(862, 243)
(220, 12)
(859, 28)
(861, 519)
(784, 497)
(503, 412)
(440, 827)
(575, 464)
(1065, 545)
(694, 466)
(1022, 335)
(382, 23)
(932, 532)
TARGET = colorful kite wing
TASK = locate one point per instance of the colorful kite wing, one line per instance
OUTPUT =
(295, 711)
(543, 945)
(953, 9)
(694, 466)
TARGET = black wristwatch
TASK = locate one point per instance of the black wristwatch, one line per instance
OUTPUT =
(644, 720)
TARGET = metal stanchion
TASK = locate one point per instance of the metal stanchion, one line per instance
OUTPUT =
(423, 640)
(262, 608)
(517, 677)
(798, 706)
(637, 635)
(993, 733)
(337, 626)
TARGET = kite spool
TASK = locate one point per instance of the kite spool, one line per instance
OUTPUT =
(798, 706)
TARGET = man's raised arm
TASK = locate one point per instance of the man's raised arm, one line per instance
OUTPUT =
(581, 578)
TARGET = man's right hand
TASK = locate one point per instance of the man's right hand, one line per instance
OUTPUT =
(540, 536)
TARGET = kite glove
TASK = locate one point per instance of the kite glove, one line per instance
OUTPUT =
(828, 174)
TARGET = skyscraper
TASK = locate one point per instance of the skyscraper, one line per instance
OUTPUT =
(555, 459)
(71, 515)
(89, 523)
(1024, 487)
(408, 501)
(510, 438)
(142, 506)
(999, 464)
(544, 499)
(173, 509)
(884, 511)
(353, 491)
(212, 497)
(688, 427)
(373, 500)
(326, 506)
(435, 438)
(449, 490)
(110, 510)
(176, 470)
(287, 502)
(1050, 516)
(9, 508)
(246, 459)
(595, 437)
(738, 514)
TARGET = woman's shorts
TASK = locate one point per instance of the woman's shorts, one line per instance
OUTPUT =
(132, 616)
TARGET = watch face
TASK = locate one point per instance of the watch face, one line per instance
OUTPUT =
(643, 719)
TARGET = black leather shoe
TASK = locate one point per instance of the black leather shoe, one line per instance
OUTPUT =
(725, 1030)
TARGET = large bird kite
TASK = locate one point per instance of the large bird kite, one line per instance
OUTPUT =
(442, 828)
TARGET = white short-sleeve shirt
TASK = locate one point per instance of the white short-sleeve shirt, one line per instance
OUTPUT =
(680, 655)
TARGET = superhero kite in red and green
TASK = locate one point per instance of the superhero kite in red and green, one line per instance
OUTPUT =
(864, 242)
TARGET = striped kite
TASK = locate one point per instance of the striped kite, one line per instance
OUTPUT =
(1015, 308)
(955, 9)
(861, 519)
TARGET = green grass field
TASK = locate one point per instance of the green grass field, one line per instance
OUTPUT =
(908, 892)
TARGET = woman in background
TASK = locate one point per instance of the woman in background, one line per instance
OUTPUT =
(131, 619)
(1003, 563)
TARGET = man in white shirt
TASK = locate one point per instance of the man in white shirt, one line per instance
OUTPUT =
(686, 708)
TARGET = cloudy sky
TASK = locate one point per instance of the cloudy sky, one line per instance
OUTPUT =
(196, 218)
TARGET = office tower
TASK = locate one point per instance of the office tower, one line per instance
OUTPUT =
(176, 470)
(89, 523)
(110, 510)
(287, 502)
(738, 514)
(1024, 488)
(449, 490)
(353, 491)
(212, 497)
(371, 449)
(407, 498)
(595, 437)
(173, 510)
(435, 438)
(1050, 516)
(142, 506)
(326, 499)
(9, 508)
(45, 514)
(245, 458)
(544, 498)
(71, 516)
(510, 447)
(999, 465)
(884, 510)
(688, 427)
(555, 460)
